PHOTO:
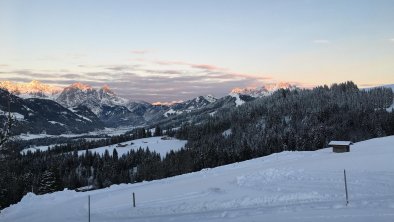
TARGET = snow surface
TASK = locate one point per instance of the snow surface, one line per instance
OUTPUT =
(153, 143)
(54, 122)
(238, 101)
(80, 116)
(41, 148)
(227, 133)
(34, 149)
(210, 98)
(105, 131)
(213, 113)
(171, 112)
(15, 115)
(288, 186)
(340, 143)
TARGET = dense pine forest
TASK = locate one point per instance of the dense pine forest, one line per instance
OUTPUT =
(301, 120)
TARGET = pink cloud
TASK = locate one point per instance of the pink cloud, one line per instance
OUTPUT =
(206, 66)
(213, 68)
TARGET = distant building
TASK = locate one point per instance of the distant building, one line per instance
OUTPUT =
(121, 145)
(166, 138)
(340, 146)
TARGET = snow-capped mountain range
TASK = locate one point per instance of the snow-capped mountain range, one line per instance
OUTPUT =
(80, 94)
(105, 108)
(34, 115)
(33, 89)
(113, 110)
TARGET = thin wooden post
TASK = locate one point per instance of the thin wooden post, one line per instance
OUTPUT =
(133, 199)
(89, 206)
(347, 196)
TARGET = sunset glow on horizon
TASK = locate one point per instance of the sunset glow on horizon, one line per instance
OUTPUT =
(162, 51)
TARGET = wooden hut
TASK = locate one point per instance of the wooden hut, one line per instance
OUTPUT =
(340, 146)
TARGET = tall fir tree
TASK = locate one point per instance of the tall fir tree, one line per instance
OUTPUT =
(47, 183)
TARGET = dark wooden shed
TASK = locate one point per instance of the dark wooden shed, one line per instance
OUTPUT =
(340, 146)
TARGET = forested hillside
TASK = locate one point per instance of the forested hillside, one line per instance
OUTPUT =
(292, 120)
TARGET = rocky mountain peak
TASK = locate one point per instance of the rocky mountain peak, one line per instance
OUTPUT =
(80, 86)
(32, 89)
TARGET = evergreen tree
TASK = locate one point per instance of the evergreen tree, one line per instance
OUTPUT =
(47, 183)
(115, 154)
(158, 131)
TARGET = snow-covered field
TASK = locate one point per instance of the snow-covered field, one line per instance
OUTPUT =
(36, 148)
(105, 131)
(288, 186)
(156, 144)
(153, 143)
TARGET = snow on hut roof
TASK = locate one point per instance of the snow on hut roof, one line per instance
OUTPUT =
(340, 143)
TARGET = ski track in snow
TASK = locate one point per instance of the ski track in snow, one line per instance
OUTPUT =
(287, 186)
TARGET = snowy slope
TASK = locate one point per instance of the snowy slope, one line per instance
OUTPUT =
(288, 186)
(238, 100)
(34, 149)
(153, 143)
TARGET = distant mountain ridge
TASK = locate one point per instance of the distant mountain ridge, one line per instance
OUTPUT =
(264, 90)
(81, 94)
(190, 105)
(36, 116)
(33, 89)
(104, 106)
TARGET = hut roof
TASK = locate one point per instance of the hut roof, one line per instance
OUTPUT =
(340, 143)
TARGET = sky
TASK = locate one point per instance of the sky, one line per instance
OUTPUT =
(175, 49)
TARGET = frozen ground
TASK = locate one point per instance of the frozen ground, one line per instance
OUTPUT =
(288, 186)
(153, 143)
